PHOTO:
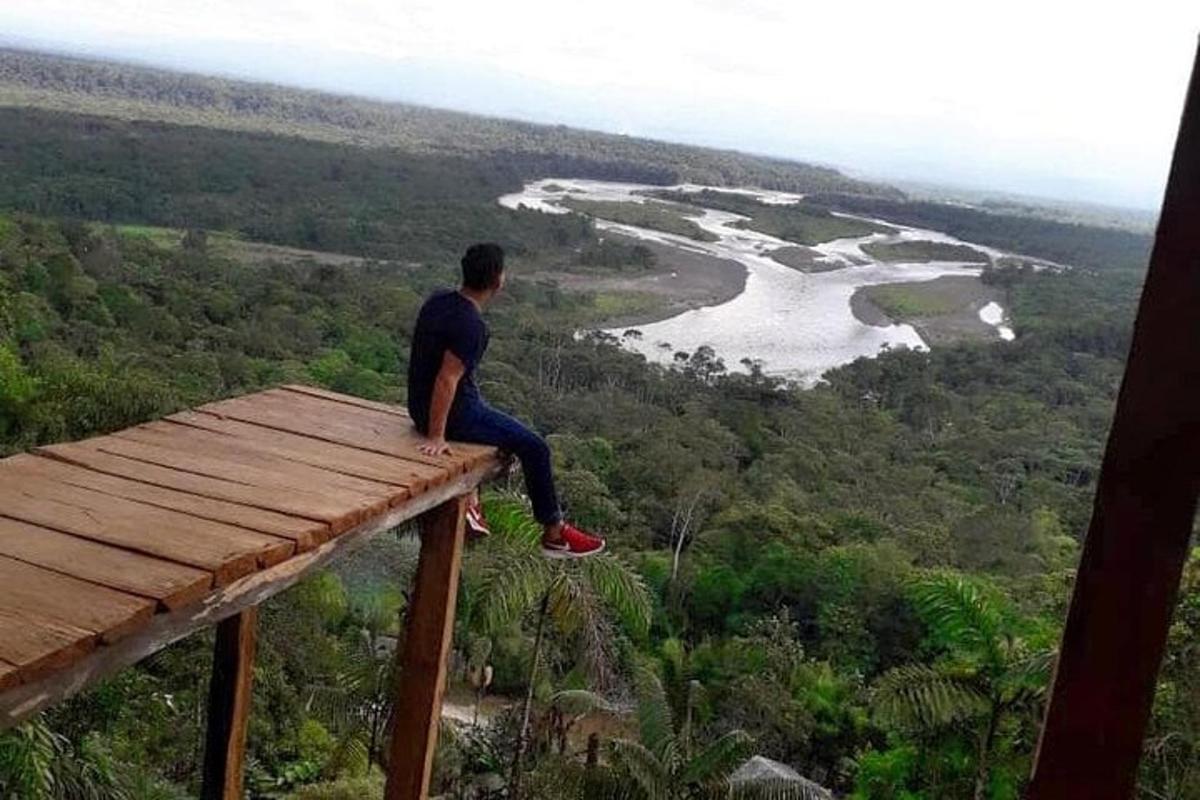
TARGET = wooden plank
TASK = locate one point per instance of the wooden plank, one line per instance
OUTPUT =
(415, 475)
(34, 592)
(383, 433)
(1141, 528)
(422, 680)
(40, 644)
(208, 448)
(325, 394)
(167, 582)
(9, 677)
(305, 532)
(227, 466)
(229, 706)
(358, 415)
(284, 501)
(339, 423)
(224, 550)
(21, 702)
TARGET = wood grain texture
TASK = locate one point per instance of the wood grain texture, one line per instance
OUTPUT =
(167, 582)
(239, 451)
(415, 475)
(9, 676)
(40, 644)
(201, 517)
(19, 703)
(305, 532)
(374, 432)
(33, 593)
(225, 551)
(216, 459)
(422, 681)
(325, 394)
(229, 706)
(285, 501)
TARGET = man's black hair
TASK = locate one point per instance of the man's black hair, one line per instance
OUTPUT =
(482, 265)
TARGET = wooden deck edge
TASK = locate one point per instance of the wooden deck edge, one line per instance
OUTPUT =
(18, 704)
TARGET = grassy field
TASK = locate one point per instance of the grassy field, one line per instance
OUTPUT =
(802, 223)
(912, 300)
(803, 259)
(656, 216)
(805, 227)
(608, 306)
(923, 251)
(943, 311)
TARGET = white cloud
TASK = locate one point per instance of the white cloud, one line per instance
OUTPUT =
(1025, 93)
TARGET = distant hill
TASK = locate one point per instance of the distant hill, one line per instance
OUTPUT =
(60, 83)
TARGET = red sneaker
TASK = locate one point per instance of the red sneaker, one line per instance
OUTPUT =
(574, 544)
(477, 526)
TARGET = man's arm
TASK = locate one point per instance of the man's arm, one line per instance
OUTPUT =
(444, 387)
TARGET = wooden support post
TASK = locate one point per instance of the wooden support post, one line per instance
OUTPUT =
(229, 706)
(422, 678)
(1141, 528)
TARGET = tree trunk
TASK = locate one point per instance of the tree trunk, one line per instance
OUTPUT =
(514, 787)
(593, 749)
(985, 753)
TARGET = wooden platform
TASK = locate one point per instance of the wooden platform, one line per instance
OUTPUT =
(113, 547)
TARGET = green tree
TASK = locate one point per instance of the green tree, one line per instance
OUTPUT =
(667, 763)
(992, 666)
(38, 764)
(579, 599)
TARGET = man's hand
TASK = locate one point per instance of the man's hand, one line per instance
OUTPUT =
(434, 447)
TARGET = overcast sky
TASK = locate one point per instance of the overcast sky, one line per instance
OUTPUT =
(1063, 98)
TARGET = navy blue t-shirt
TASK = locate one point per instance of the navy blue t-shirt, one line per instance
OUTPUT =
(447, 321)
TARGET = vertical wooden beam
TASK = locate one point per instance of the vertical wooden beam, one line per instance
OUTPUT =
(1142, 523)
(422, 679)
(229, 706)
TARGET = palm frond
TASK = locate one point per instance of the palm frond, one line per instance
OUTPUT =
(580, 701)
(27, 759)
(512, 584)
(337, 706)
(719, 759)
(1028, 678)
(916, 696)
(511, 522)
(655, 721)
(960, 613)
(578, 612)
(639, 763)
(623, 589)
(350, 755)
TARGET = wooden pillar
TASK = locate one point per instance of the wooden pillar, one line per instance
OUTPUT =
(229, 706)
(422, 679)
(1145, 508)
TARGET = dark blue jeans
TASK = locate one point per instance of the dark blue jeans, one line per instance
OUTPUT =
(482, 424)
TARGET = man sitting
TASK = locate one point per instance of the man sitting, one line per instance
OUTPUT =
(448, 344)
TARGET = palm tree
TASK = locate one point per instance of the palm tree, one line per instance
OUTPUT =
(38, 764)
(358, 698)
(994, 665)
(579, 599)
(665, 763)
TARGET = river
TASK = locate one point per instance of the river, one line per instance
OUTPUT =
(795, 324)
